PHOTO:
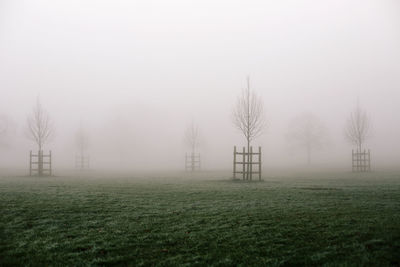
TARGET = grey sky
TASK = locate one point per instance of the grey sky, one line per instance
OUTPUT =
(157, 65)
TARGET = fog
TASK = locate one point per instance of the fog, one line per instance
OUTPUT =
(135, 74)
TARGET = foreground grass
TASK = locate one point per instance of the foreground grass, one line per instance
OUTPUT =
(337, 219)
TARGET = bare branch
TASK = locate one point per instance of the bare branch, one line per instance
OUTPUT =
(358, 127)
(248, 114)
(40, 127)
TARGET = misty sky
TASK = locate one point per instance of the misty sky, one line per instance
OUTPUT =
(136, 73)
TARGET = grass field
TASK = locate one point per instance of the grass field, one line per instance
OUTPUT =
(206, 219)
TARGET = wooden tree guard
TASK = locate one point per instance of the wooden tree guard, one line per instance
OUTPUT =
(38, 165)
(82, 162)
(247, 163)
(192, 162)
(361, 161)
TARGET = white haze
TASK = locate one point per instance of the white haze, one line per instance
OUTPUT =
(137, 73)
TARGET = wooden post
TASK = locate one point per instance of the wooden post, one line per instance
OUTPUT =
(369, 160)
(40, 160)
(251, 163)
(234, 162)
(259, 163)
(50, 167)
(30, 163)
(192, 161)
(358, 161)
(352, 160)
(244, 163)
(82, 161)
(364, 163)
(357, 165)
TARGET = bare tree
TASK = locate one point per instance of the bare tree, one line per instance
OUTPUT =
(192, 137)
(307, 131)
(40, 126)
(358, 127)
(248, 114)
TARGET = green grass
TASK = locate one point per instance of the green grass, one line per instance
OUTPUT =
(330, 219)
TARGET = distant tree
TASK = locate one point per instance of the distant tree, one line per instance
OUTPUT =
(307, 132)
(40, 126)
(192, 137)
(358, 127)
(192, 140)
(82, 140)
(248, 116)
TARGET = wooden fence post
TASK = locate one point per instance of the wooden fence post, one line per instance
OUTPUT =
(251, 163)
(192, 158)
(199, 162)
(40, 160)
(244, 163)
(50, 167)
(369, 160)
(357, 160)
(82, 161)
(352, 160)
(364, 161)
(30, 163)
(259, 163)
(234, 162)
